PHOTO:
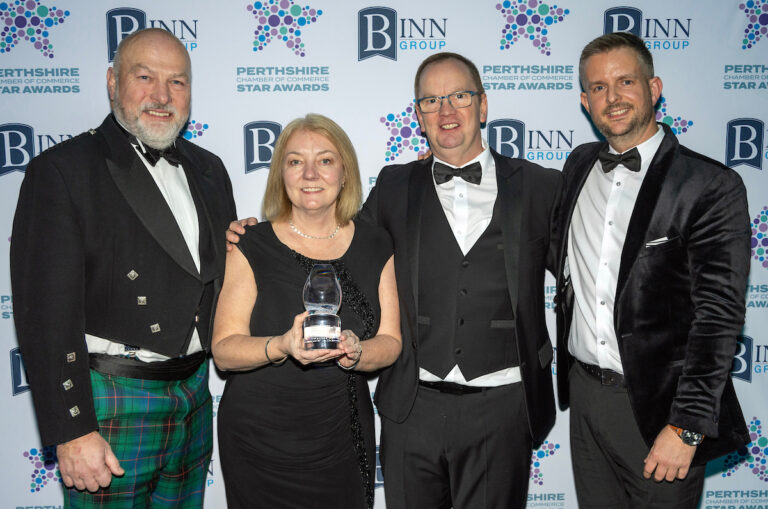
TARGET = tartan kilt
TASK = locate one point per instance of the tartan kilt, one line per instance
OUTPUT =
(162, 434)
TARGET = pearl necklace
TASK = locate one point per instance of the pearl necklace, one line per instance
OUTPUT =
(308, 236)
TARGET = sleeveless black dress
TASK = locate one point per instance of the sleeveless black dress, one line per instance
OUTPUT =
(294, 436)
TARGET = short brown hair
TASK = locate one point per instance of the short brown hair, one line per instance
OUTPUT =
(446, 55)
(277, 206)
(613, 41)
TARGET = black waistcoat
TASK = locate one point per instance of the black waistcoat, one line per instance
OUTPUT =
(465, 315)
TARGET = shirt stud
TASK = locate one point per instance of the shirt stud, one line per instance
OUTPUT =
(74, 411)
(68, 384)
(141, 300)
(132, 275)
(155, 327)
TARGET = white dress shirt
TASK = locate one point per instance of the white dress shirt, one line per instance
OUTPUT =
(469, 209)
(173, 185)
(595, 243)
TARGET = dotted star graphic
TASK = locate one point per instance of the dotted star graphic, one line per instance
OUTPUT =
(45, 469)
(405, 133)
(27, 20)
(756, 12)
(282, 20)
(529, 19)
(754, 456)
(760, 237)
(678, 124)
(546, 450)
(194, 129)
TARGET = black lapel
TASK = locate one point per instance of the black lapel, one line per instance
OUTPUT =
(509, 200)
(140, 191)
(200, 184)
(420, 178)
(644, 207)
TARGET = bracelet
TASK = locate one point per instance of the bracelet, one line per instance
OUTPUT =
(266, 353)
(354, 364)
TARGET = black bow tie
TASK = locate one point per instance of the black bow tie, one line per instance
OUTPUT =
(630, 159)
(153, 155)
(472, 173)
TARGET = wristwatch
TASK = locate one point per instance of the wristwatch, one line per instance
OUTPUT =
(687, 436)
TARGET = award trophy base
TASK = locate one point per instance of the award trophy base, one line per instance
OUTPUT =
(322, 332)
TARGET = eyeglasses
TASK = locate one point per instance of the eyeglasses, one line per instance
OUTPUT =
(460, 99)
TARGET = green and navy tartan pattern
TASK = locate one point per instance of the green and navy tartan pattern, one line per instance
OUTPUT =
(161, 432)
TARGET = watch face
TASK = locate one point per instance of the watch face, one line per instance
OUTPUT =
(691, 437)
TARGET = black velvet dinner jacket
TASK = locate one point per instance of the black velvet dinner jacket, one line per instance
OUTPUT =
(680, 302)
(527, 199)
(95, 249)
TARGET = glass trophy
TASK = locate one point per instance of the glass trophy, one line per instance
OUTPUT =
(322, 298)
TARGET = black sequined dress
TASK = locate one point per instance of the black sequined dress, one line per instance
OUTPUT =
(294, 436)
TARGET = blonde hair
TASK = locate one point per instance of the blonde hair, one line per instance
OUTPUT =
(276, 205)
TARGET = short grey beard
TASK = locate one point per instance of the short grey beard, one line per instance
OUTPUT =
(143, 134)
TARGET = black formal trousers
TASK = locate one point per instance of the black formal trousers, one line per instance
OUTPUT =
(607, 451)
(460, 451)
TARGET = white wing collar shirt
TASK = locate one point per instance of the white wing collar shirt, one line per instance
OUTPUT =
(595, 242)
(469, 209)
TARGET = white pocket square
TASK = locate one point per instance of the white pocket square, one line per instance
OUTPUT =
(656, 242)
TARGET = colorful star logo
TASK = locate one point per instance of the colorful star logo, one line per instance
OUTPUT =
(529, 19)
(27, 20)
(546, 450)
(45, 470)
(194, 129)
(754, 456)
(760, 237)
(678, 124)
(756, 12)
(404, 133)
(281, 20)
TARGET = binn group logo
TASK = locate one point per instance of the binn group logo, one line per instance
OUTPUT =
(751, 358)
(404, 133)
(259, 141)
(30, 21)
(744, 143)
(44, 467)
(756, 12)
(510, 138)
(678, 125)
(658, 33)
(194, 129)
(18, 144)
(281, 20)
(381, 33)
(753, 457)
(529, 20)
(123, 21)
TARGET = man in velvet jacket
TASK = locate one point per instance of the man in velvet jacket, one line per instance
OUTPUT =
(472, 390)
(117, 255)
(653, 267)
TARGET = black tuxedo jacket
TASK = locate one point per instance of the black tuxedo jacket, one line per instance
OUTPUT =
(527, 197)
(679, 303)
(91, 235)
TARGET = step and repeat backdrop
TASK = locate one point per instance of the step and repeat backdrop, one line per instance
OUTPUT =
(258, 65)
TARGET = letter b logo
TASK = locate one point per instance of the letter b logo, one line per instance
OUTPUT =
(507, 137)
(260, 138)
(623, 19)
(377, 33)
(17, 147)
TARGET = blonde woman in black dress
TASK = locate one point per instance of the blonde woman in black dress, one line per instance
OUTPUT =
(296, 426)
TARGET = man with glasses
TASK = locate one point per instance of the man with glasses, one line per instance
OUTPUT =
(472, 389)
